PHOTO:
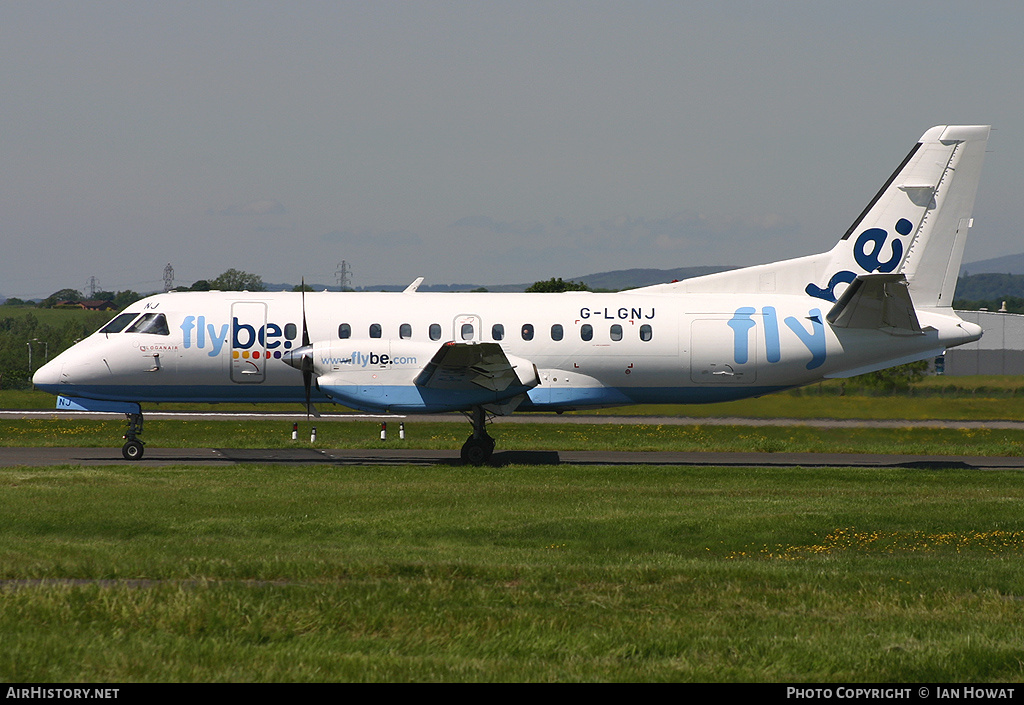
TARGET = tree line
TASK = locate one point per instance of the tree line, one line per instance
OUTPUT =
(28, 339)
(32, 333)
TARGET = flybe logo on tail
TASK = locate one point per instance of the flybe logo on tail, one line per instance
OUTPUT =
(868, 251)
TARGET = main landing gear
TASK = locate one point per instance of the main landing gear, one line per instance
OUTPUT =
(133, 447)
(479, 447)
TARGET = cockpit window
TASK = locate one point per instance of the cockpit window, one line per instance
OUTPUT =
(118, 324)
(152, 323)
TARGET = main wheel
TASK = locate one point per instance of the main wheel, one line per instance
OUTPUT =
(477, 451)
(132, 450)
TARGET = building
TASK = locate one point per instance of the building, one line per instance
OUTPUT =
(999, 352)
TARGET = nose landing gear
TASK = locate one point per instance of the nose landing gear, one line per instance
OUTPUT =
(133, 448)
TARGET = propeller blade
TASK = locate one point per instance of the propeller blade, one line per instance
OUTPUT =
(307, 382)
(302, 359)
(307, 352)
(305, 330)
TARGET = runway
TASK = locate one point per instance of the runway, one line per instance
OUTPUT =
(213, 457)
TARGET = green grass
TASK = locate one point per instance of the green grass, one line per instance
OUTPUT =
(428, 435)
(320, 573)
(956, 408)
(979, 398)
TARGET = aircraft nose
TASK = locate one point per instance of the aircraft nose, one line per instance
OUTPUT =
(48, 376)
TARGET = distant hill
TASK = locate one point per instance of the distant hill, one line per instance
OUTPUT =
(975, 287)
(441, 287)
(988, 287)
(633, 278)
(612, 281)
(990, 284)
(1008, 264)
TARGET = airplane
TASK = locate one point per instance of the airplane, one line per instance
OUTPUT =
(882, 296)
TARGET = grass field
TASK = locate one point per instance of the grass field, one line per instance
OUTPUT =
(514, 574)
(956, 398)
(128, 573)
(259, 433)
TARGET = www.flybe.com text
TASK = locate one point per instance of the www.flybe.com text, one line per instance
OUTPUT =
(361, 359)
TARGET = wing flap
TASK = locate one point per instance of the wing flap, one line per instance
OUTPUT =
(462, 366)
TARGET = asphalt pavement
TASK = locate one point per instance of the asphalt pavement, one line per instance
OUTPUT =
(211, 457)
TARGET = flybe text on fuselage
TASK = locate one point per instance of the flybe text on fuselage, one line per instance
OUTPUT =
(197, 332)
(742, 322)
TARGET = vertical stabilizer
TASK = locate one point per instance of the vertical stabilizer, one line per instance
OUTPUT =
(917, 223)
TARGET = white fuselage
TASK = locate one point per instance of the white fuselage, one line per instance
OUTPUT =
(589, 350)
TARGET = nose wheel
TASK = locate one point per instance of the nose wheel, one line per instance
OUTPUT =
(133, 448)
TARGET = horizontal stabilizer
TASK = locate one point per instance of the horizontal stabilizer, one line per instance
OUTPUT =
(463, 366)
(877, 302)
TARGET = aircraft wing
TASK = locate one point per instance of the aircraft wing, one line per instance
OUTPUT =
(877, 302)
(469, 366)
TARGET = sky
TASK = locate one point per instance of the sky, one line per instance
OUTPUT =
(477, 142)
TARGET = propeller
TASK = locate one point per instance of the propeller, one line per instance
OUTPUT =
(302, 358)
(307, 354)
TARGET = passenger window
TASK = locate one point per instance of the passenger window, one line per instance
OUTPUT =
(645, 332)
(291, 332)
(467, 331)
(405, 331)
(616, 332)
(118, 324)
(587, 331)
(497, 332)
(435, 331)
(557, 332)
(151, 323)
(375, 330)
(527, 331)
(344, 331)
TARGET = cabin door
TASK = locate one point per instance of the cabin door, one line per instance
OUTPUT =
(248, 342)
